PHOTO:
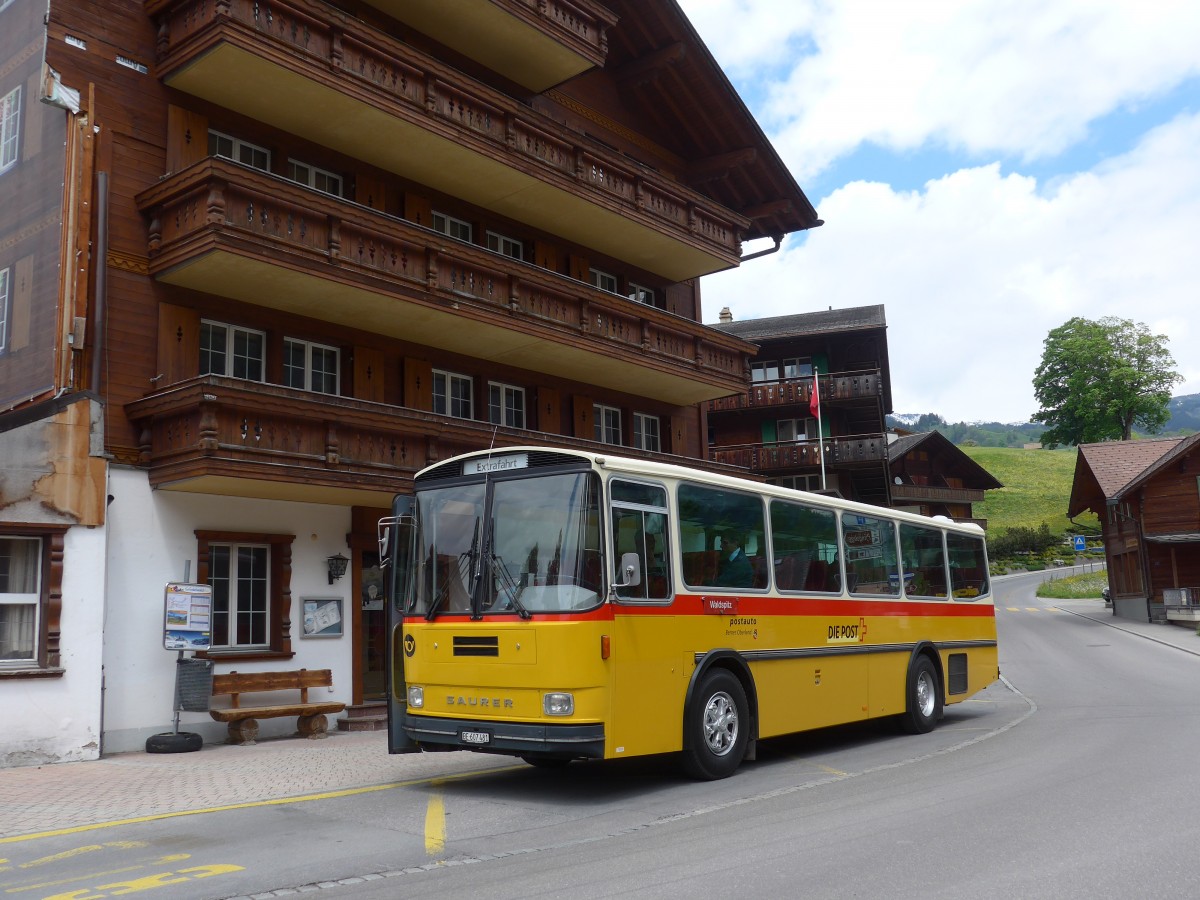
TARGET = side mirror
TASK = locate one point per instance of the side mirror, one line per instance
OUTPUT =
(631, 570)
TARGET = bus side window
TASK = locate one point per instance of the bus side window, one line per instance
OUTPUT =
(968, 566)
(803, 547)
(640, 526)
(723, 538)
(871, 558)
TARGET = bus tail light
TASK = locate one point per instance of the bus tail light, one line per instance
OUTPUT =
(416, 696)
(558, 703)
(604, 646)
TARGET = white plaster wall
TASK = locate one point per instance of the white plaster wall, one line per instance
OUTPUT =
(151, 540)
(51, 720)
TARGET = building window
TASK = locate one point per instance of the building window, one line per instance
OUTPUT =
(10, 122)
(452, 395)
(640, 294)
(20, 598)
(311, 367)
(456, 228)
(4, 282)
(499, 243)
(317, 179)
(608, 424)
(244, 152)
(506, 405)
(646, 432)
(603, 280)
(788, 430)
(798, 482)
(229, 350)
(250, 576)
(797, 367)
(764, 371)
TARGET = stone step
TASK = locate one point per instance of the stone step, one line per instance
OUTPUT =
(363, 723)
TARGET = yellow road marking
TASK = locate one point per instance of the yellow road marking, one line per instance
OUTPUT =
(175, 857)
(837, 772)
(1013, 608)
(251, 804)
(435, 825)
(1031, 609)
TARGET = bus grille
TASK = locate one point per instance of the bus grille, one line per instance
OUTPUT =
(957, 664)
(472, 645)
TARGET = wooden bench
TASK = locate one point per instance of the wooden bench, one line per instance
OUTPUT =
(243, 720)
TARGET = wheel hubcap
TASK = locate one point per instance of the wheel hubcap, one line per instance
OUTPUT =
(720, 723)
(925, 698)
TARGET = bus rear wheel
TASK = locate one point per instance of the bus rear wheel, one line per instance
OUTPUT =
(924, 693)
(716, 727)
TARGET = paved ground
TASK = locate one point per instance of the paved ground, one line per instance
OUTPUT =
(37, 799)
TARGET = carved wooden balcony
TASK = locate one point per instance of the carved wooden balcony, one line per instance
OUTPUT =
(243, 438)
(840, 452)
(927, 493)
(837, 388)
(536, 43)
(312, 70)
(225, 229)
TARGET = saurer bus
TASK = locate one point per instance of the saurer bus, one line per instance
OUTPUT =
(556, 605)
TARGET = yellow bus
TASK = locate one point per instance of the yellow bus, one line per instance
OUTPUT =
(557, 605)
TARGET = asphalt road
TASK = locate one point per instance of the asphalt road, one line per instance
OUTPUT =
(1073, 778)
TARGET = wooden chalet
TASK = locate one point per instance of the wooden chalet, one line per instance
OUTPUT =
(933, 477)
(260, 262)
(770, 428)
(1147, 497)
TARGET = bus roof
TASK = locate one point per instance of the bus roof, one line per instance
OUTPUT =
(648, 468)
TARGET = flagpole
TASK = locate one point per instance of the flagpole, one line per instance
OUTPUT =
(814, 403)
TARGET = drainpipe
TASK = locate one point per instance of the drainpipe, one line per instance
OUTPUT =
(100, 260)
(778, 239)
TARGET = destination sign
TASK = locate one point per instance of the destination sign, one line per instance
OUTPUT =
(490, 464)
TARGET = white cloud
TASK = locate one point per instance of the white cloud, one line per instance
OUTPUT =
(1014, 77)
(978, 266)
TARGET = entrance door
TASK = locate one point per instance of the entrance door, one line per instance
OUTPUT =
(372, 641)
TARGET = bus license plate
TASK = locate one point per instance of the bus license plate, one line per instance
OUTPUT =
(475, 737)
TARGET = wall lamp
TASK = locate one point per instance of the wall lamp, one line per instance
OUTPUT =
(337, 566)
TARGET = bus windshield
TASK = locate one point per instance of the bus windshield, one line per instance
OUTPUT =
(544, 557)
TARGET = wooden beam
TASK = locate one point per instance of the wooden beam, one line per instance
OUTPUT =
(646, 68)
(768, 209)
(718, 166)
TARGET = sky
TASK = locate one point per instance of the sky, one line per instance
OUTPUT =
(986, 169)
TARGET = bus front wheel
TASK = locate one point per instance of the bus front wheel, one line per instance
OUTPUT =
(716, 723)
(924, 693)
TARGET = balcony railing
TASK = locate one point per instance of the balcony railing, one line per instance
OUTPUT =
(341, 76)
(841, 451)
(835, 388)
(927, 493)
(340, 258)
(291, 444)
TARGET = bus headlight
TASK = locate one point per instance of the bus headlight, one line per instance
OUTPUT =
(416, 696)
(558, 703)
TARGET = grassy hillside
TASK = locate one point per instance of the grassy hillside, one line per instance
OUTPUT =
(1037, 488)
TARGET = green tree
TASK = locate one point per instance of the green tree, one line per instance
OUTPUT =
(1098, 379)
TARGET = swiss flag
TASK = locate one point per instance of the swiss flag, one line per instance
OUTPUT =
(814, 402)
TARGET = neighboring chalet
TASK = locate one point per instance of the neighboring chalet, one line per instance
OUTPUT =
(1147, 497)
(771, 429)
(933, 477)
(262, 262)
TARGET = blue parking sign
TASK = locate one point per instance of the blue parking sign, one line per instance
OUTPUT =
(1080, 543)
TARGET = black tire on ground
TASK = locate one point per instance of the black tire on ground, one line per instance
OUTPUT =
(716, 727)
(174, 742)
(547, 762)
(924, 698)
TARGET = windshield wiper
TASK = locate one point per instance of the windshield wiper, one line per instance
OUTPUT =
(512, 588)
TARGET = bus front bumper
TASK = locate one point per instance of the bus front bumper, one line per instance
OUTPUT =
(512, 738)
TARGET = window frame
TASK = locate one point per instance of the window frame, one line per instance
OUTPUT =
(640, 293)
(238, 145)
(5, 292)
(46, 661)
(309, 347)
(597, 276)
(231, 331)
(448, 223)
(640, 431)
(10, 129)
(760, 369)
(279, 590)
(447, 395)
(601, 416)
(313, 172)
(505, 244)
(502, 408)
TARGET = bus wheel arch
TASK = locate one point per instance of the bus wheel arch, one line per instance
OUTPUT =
(720, 716)
(924, 690)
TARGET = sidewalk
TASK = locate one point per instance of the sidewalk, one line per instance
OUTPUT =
(125, 786)
(1179, 637)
